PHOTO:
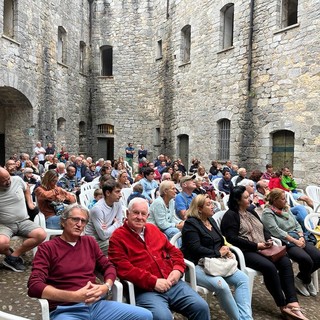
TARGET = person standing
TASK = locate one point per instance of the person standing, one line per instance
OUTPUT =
(129, 154)
(142, 153)
(40, 152)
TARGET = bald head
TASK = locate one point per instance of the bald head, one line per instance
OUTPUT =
(5, 181)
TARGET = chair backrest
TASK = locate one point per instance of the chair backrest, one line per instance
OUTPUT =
(311, 221)
(313, 192)
(290, 200)
(218, 217)
(85, 197)
(225, 200)
(175, 238)
(215, 183)
(40, 220)
(125, 192)
(217, 204)
(233, 180)
(87, 186)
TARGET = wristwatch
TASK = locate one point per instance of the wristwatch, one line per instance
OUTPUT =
(109, 289)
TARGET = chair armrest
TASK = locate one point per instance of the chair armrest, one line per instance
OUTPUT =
(240, 257)
(44, 309)
(130, 286)
(309, 218)
(117, 291)
(192, 274)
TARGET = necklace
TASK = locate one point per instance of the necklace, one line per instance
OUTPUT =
(207, 223)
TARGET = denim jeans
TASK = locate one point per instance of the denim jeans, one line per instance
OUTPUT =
(53, 223)
(170, 232)
(180, 298)
(300, 212)
(100, 310)
(237, 306)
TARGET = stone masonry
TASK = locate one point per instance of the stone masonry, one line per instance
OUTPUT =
(156, 99)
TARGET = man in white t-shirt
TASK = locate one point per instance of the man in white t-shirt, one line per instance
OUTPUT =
(14, 220)
(40, 152)
(106, 216)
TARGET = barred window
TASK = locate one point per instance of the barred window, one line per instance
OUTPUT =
(105, 129)
(224, 139)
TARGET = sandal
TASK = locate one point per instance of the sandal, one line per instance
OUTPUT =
(293, 313)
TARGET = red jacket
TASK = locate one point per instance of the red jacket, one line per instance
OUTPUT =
(143, 262)
(276, 183)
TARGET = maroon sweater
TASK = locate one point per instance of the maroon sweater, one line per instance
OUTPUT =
(67, 267)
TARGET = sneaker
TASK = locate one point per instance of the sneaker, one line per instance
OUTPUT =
(300, 286)
(312, 289)
(11, 250)
(14, 263)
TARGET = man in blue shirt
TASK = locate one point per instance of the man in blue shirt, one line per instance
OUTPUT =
(184, 198)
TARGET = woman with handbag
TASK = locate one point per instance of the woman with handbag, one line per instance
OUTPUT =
(49, 196)
(244, 229)
(202, 239)
(281, 223)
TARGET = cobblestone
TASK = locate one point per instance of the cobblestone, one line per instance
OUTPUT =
(14, 298)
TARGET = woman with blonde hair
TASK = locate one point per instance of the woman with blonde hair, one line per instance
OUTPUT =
(48, 194)
(281, 223)
(202, 238)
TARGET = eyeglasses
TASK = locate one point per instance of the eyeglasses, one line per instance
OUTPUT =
(77, 220)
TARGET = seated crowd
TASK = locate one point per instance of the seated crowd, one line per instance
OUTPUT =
(130, 236)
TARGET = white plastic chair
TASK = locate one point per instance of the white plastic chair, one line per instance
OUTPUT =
(217, 217)
(313, 192)
(117, 295)
(233, 180)
(125, 195)
(85, 197)
(215, 184)
(87, 186)
(8, 316)
(225, 200)
(41, 221)
(292, 202)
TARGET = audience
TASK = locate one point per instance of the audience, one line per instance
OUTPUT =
(148, 183)
(225, 184)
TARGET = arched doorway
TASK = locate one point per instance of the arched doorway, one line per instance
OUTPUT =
(16, 123)
(183, 147)
(283, 149)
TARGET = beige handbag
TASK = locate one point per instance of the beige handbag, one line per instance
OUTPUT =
(223, 266)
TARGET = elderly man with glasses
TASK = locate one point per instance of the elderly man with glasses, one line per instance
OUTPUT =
(63, 272)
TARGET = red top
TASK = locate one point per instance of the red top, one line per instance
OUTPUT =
(276, 183)
(143, 262)
(67, 267)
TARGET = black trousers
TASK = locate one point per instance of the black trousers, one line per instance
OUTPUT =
(278, 276)
(308, 259)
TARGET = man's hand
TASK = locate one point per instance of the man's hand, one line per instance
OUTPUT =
(90, 293)
(180, 225)
(162, 285)
(174, 277)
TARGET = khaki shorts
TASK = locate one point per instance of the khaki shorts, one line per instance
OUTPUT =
(21, 228)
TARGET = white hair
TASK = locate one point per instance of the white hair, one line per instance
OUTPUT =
(246, 182)
(137, 200)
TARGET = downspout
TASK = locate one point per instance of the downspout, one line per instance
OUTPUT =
(90, 21)
(249, 81)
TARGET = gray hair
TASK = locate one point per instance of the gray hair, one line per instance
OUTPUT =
(137, 200)
(165, 185)
(246, 182)
(68, 209)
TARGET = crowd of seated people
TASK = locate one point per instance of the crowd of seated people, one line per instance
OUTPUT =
(172, 207)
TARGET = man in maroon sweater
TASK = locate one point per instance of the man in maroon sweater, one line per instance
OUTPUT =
(143, 255)
(63, 272)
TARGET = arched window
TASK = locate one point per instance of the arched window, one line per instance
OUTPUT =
(106, 61)
(62, 45)
(61, 124)
(227, 22)
(185, 43)
(8, 18)
(289, 12)
(223, 139)
(283, 149)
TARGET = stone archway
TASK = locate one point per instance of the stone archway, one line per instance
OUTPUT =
(17, 129)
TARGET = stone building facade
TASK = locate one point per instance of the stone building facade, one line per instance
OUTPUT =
(209, 79)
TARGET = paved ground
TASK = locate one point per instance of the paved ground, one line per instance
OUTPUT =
(13, 298)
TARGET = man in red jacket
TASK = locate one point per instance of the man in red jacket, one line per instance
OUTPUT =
(143, 255)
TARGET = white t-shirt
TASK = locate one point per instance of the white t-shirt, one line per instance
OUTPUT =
(40, 152)
(12, 202)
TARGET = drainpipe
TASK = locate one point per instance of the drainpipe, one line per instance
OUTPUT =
(249, 81)
(90, 21)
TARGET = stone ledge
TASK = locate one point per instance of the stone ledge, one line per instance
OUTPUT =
(11, 40)
(293, 26)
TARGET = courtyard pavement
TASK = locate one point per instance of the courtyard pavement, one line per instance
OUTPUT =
(14, 299)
